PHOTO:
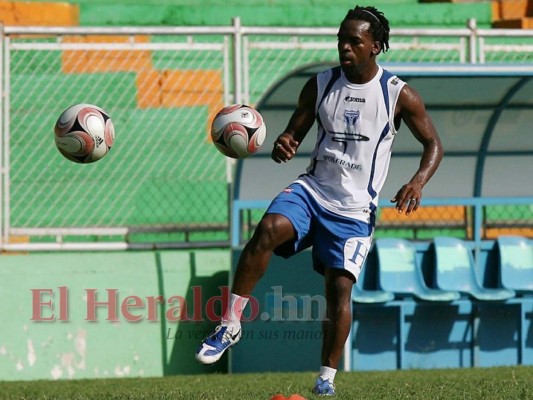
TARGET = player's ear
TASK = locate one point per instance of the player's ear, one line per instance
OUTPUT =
(376, 48)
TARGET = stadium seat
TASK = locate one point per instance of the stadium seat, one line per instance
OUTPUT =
(515, 257)
(455, 270)
(360, 295)
(400, 273)
(365, 291)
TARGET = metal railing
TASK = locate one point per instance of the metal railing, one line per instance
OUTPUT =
(164, 185)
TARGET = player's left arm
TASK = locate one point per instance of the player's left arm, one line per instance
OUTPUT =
(411, 109)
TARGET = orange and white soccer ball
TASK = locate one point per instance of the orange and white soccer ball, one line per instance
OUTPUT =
(84, 133)
(238, 131)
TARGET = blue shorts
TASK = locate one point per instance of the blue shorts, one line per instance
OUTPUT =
(337, 241)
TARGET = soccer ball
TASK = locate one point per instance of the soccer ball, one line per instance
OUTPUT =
(84, 133)
(238, 131)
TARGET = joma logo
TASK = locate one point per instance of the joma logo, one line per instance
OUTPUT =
(349, 99)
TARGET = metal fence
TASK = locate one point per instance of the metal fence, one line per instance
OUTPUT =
(163, 184)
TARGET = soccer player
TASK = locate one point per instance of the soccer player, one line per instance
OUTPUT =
(358, 107)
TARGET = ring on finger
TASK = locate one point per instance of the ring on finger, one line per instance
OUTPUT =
(278, 145)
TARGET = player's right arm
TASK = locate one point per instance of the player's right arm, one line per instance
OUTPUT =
(301, 121)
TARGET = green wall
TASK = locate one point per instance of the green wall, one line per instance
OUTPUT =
(77, 348)
(326, 14)
(401, 13)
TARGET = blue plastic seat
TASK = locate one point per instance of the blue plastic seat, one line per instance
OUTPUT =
(360, 295)
(455, 270)
(516, 263)
(515, 259)
(365, 291)
(400, 273)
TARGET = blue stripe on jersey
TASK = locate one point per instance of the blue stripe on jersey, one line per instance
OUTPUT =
(335, 75)
(371, 190)
(383, 82)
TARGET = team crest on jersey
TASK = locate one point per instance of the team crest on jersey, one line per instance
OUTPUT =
(350, 117)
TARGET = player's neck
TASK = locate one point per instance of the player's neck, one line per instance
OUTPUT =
(361, 76)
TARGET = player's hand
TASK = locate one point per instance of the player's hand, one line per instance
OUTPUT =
(284, 148)
(408, 198)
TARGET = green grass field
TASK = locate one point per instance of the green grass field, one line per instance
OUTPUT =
(505, 383)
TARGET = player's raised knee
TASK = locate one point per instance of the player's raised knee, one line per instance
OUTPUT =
(273, 230)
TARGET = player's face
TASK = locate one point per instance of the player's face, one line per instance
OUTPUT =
(356, 45)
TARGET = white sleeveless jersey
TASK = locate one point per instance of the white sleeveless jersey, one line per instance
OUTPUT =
(351, 158)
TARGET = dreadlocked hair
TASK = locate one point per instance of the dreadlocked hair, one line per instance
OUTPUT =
(379, 25)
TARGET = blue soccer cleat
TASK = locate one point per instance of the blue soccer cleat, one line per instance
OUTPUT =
(217, 343)
(324, 387)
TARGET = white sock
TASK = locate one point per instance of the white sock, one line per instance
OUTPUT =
(327, 373)
(233, 314)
